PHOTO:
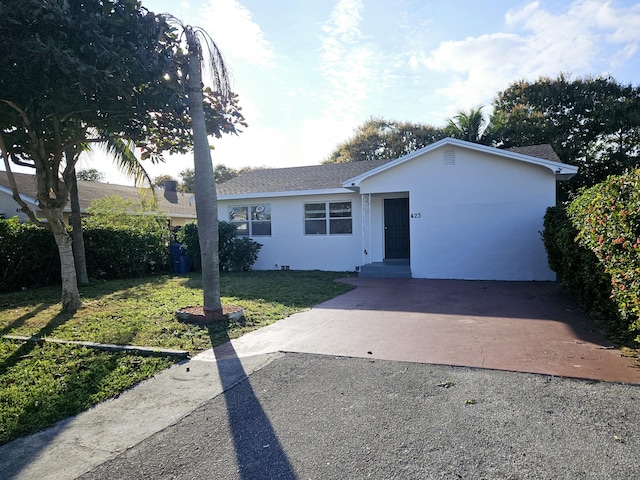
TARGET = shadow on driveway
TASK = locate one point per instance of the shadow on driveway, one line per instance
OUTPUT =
(258, 451)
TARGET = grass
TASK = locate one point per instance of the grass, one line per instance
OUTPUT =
(41, 384)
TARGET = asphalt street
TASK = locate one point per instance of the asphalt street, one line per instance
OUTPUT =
(306, 416)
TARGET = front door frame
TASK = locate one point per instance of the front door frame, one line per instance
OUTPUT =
(396, 228)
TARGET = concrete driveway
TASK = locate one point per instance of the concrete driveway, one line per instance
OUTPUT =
(518, 326)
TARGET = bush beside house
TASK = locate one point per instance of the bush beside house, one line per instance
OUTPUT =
(29, 256)
(237, 254)
(594, 247)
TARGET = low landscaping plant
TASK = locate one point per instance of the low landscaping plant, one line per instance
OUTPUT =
(42, 383)
(237, 254)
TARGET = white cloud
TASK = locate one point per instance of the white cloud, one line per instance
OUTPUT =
(231, 26)
(539, 43)
(346, 61)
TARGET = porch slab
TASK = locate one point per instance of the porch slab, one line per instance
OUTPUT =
(386, 269)
(517, 326)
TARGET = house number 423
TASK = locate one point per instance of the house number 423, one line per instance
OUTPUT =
(416, 215)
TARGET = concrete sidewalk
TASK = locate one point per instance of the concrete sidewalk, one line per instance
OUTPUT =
(78, 444)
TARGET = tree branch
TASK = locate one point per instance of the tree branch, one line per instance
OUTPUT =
(14, 186)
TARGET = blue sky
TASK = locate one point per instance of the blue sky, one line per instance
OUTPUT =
(309, 71)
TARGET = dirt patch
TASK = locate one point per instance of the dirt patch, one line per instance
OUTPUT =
(197, 315)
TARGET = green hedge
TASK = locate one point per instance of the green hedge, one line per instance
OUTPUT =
(594, 246)
(29, 256)
(125, 252)
(237, 254)
(579, 270)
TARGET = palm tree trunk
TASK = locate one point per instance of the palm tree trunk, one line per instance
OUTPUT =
(205, 187)
(79, 255)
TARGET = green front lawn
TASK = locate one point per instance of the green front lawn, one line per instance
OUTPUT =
(43, 383)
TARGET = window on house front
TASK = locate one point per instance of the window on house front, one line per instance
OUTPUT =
(327, 217)
(251, 220)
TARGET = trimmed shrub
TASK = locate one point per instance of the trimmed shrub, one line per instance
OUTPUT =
(125, 252)
(579, 270)
(28, 256)
(607, 217)
(235, 253)
(595, 248)
(242, 254)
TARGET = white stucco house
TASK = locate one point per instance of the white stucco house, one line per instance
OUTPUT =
(451, 210)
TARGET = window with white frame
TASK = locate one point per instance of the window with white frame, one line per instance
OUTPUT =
(251, 220)
(333, 218)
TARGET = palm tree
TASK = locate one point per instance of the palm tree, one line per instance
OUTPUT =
(199, 44)
(469, 126)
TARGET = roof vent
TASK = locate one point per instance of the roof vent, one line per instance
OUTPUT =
(449, 157)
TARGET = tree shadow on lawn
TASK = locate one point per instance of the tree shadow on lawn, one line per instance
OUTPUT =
(293, 288)
(18, 322)
(56, 381)
(258, 450)
(23, 351)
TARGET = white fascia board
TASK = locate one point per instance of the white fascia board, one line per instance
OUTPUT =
(562, 171)
(290, 193)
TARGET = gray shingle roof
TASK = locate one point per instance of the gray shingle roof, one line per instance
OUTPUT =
(544, 151)
(329, 176)
(314, 177)
(175, 204)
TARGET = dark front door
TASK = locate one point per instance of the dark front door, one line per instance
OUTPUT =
(396, 228)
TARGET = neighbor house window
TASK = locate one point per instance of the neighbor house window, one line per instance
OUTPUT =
(251, 220)
(333, 218)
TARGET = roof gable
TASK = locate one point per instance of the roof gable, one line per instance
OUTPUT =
(548, 160)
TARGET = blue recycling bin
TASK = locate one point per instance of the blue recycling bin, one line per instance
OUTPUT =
(176, 252)
(185, 263)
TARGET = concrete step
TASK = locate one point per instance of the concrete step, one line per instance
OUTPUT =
(385, 270)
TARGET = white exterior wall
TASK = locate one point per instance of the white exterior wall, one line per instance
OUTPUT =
(478, 219)
(288, 245)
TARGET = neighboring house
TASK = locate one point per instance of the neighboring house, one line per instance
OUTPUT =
(451, 210)
(179, 207)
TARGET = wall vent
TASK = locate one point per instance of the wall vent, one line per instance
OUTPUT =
(449, 157)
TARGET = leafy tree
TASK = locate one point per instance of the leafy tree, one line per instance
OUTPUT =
(79, 73)
(90, 175)
(470, 126)
(593, 123)
(223, 173)
(379, 139)
(55, 93)
(188, 177)
(122, 152)
(113, 211)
